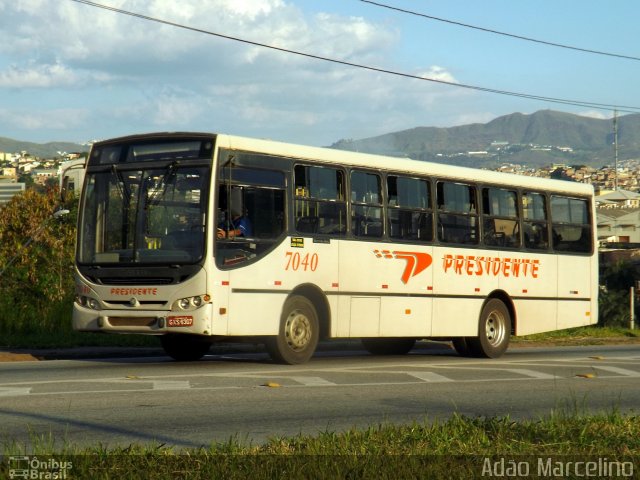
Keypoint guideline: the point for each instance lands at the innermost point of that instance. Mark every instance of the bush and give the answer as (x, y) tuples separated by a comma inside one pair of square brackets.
[(36, 254), (617, 278)]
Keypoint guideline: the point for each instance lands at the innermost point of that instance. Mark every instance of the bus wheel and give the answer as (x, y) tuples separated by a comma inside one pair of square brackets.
[(494, 331), (388, 346), (299, 332), (184, 348)]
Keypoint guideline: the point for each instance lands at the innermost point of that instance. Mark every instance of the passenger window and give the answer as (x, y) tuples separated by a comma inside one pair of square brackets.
[(535, 225), (366, 204), (500, 223), (571, 228), (319, 206), (457, 213), (409, 212)]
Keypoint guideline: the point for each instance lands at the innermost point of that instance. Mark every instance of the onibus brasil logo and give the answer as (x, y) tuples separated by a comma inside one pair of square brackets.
[(416, 261), (39, 468)]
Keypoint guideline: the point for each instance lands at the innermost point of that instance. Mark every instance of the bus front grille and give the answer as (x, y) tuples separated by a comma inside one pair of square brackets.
[(132, 321)]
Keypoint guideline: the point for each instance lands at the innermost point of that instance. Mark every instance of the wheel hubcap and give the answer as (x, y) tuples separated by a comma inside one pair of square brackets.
[(495, 328), (297, 331)]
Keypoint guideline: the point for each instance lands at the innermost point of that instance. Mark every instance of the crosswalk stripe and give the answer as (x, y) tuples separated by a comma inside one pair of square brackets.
[(430, 377), (14, 391), (530, 373), (312, 381), (621, 371)]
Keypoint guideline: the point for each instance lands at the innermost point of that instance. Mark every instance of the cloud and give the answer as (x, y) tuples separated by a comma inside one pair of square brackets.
[(436, 72), (42, 76), (599, 114), (57, 119), (135, 75)]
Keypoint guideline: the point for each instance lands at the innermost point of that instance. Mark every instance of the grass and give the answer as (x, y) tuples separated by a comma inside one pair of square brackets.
[(593, 335), (456, 448)]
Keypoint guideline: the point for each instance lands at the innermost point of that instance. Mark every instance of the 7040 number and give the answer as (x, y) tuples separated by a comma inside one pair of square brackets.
[(306, 262)]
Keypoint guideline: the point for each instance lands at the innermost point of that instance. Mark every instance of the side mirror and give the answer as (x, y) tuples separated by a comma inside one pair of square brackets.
[(64, 189)]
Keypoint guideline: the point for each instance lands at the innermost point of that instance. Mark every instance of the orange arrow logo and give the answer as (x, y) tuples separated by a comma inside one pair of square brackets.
[(416, 261)]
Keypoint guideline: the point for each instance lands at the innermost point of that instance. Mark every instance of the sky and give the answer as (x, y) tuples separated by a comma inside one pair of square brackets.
[(74, 72)]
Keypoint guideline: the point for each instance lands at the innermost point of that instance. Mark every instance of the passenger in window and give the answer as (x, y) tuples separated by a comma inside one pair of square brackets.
[(238, 226)]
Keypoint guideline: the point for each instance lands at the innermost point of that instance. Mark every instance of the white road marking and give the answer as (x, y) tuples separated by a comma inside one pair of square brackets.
[(430, 377), (171, 385), (620, 371), (14, 391), (530, 373), (312, 381)]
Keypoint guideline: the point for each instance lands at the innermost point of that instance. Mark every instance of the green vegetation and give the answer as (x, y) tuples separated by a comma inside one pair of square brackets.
[(36, 255), (455, 448), (582, 336)]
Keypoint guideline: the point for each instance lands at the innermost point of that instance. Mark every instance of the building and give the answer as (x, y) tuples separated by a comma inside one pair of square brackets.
[(8, 190)]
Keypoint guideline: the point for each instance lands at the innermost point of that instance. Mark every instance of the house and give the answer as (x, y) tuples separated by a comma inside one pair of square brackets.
[(619, 225), (620, 198)]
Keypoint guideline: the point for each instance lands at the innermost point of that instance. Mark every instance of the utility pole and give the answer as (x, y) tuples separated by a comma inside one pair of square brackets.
[(615, 146)]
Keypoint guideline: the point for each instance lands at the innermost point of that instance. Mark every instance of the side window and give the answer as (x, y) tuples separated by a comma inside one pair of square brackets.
[(250, 211), (571, 228), (457, 213), (500, 223), (535, 225), (319, 205), (409, 209), (366, 204)]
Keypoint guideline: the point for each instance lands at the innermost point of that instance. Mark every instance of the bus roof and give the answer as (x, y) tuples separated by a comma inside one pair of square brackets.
[(400, 164), (375, 162)]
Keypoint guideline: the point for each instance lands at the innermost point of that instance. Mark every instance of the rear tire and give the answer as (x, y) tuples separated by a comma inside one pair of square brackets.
[(494, 330), (388, 346), (184, 348), (298, 334)]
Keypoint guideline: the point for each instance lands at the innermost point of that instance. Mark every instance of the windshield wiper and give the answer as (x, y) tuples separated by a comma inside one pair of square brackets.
[(157, 194), (122, 186)]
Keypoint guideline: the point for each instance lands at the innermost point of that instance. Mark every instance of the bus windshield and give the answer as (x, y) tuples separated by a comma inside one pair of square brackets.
[(144, 216)]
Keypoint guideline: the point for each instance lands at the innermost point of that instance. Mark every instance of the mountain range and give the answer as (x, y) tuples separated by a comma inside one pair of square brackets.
[(41, 150), (537, 139)]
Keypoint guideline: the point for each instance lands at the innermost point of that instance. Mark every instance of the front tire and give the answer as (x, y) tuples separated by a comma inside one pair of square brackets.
[(494, 330), (184, 348), (298, 334)]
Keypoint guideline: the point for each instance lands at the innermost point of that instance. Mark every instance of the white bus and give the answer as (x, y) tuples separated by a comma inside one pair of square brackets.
[(200, 238)]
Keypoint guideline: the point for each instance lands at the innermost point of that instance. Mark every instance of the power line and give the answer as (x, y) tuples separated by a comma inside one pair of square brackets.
[(564, 101), (488, 30)]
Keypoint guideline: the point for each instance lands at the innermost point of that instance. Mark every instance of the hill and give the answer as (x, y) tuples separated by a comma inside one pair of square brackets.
[(42, 150), (538, 139)]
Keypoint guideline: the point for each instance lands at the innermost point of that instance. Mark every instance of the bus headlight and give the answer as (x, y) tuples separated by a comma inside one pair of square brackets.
[(191, 303), (88, 302)]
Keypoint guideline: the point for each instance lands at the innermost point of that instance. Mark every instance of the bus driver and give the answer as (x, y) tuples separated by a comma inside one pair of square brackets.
[(239, 226)]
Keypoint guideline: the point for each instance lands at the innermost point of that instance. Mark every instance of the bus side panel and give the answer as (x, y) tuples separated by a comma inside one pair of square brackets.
[(259, 290), (460, 288), (574, 291), (531, 282), (385, 290)]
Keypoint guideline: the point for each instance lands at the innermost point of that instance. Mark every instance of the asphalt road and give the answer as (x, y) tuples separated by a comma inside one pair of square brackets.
[(152, 400)]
